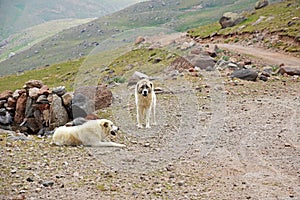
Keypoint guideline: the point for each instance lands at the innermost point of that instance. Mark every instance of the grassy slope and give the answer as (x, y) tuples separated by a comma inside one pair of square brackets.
[(277, 16), (55, 75), (87, 71), (19, 14), (178, 15), (31, 36)]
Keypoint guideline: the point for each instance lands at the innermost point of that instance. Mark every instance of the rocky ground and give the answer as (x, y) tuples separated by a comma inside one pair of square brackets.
[(216, 138)]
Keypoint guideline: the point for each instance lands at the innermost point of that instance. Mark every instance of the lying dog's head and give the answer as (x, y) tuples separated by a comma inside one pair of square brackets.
[(144, 87), (108, 126)]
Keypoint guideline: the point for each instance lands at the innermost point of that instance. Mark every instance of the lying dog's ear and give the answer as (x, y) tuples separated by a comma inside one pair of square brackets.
[(105, 124)]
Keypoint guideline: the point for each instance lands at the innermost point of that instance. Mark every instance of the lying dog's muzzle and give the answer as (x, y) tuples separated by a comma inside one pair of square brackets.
[(114, 131)]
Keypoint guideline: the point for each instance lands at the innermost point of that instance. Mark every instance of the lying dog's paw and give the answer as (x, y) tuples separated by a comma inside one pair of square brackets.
[(139, 126)]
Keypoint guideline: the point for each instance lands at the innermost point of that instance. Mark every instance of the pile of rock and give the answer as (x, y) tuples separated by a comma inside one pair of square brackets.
[(35, 108)]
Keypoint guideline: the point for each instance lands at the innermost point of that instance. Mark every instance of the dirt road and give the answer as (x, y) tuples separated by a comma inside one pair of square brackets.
[(215, 139), (273, 58)]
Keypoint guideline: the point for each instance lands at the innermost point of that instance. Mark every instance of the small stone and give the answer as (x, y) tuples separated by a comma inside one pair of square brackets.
[(29, 179), (139, 40), (76, 174), (181, 183), (48, 183), (67, 98), (147, 144), (59, 91), (113, 188), (263, 78), (42, 99), (33, 92), (287, 145), (171, 176)]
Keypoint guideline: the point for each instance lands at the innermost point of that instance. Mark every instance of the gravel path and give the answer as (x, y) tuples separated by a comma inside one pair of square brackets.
[(214, 140)]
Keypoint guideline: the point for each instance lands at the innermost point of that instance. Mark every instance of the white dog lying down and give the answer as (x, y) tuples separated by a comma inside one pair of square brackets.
[(91, 133)]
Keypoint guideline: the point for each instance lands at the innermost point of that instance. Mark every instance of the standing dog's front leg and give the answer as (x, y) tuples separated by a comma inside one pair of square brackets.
[(148, 116), (139, 118), (153, 107)]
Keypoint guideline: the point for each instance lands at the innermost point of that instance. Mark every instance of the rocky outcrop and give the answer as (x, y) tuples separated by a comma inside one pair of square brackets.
[(230, 19), (261, 3)]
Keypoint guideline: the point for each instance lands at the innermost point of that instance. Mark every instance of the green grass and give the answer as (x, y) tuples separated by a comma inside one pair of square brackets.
[(52, 76), (276, 19), (88, 71), (175, 15)]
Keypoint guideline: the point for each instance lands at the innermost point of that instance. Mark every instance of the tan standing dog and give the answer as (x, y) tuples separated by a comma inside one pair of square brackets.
[(90, 133), (145, 100)]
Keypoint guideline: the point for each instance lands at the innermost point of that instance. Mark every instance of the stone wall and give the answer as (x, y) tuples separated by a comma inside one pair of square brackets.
[(35, 108)]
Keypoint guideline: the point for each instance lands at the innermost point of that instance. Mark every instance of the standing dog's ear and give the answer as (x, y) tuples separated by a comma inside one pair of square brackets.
[(151, 85)]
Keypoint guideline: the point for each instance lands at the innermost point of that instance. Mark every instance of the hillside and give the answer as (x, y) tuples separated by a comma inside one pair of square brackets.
[(79, 41), (16, 15), (275, 26), (30, 36)]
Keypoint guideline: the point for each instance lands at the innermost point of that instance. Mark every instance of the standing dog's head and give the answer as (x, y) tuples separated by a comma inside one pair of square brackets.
[(108, 126), (144, 87)]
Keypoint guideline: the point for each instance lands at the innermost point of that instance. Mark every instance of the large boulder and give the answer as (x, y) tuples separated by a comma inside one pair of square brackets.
[(33, 125), (33, 92), (5, 94), (33, 83), (230, 19), (58, 114), (20, 108), (81, 105), (201, 61), (261, 3), (139, 40), (245, 74), (92, 98), (103, 97), (136, 77), (5, 117), (290, 70)]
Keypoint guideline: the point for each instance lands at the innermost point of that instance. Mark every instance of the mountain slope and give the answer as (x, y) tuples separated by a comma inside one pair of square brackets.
[(178, 15), (274, 26), (28, 37), (16, 15)]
